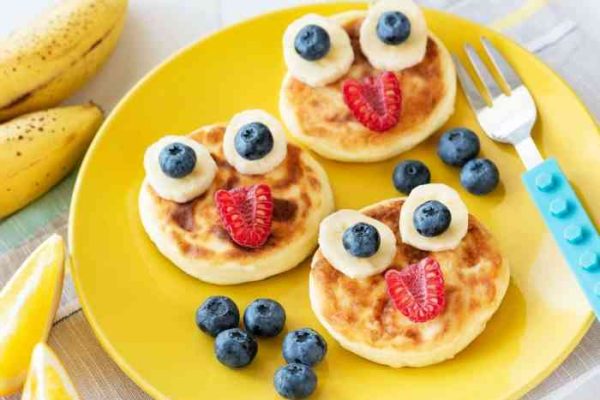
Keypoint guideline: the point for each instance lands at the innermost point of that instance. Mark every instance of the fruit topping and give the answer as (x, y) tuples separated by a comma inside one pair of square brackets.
[(317, 50), (264, 318), (393, 27), (246, 214), (295, 381), (361, 240), (253, 141), (177, 160), (417, 290), (235, 348), (393, 36), (375, 102), (339, 242), (432, 218), (479, 176), (304, 346), (216, 314), (409, 174), (312, 42), (457, 146), (178, 168)]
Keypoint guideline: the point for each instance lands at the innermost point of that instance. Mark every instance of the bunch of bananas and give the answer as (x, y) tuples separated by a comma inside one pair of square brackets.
[(40, 66)]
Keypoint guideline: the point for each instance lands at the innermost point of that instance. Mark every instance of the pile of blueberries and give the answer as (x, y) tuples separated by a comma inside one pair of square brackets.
[(457, 147), (219, 317)]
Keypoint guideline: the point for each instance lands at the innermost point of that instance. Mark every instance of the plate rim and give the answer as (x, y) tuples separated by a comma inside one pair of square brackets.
[(105, 343)]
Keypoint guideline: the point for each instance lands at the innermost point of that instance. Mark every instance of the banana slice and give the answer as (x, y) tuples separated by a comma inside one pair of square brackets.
[(330, 67), (179, 189), (265, 159), (331, 232), (448, 240), (394, 57)]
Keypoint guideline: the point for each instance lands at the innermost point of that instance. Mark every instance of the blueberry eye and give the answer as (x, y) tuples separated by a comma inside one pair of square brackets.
[(312, 43), (393, 27), (432, 218), (253, 141), (177, 160), (361, 240)]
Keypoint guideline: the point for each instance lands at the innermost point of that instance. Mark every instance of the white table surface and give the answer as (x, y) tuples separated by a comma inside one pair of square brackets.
[(157, 28)]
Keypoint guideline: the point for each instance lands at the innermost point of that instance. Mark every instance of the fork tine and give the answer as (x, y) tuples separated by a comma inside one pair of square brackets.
[(471, 92), (483, 72), (502, 66)]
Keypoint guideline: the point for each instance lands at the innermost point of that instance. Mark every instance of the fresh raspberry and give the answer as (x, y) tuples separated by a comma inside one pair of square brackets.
[(376, 101), (246, 213), (418, 290)]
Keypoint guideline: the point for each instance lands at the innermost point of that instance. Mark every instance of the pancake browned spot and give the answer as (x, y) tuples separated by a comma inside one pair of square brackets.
[(183, 216), (284, 210)]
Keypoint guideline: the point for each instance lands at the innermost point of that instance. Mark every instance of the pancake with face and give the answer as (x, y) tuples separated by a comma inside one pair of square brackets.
[(360, 315), (318, 116), (191, 235)]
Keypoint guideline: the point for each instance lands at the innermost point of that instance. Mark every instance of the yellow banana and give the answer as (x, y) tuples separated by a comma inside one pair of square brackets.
[(45, 62), (39, 149)]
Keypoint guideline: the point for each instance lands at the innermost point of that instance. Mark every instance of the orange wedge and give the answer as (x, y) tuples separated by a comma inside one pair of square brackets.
[(48, 379), (28, 303)]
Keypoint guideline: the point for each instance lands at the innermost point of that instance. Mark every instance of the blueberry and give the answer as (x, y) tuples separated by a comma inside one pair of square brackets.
[(264, 317), (295, 381), (217, 314), (457, 146), (479, 176), (361, 240), (253, 141), (393, 27), (312, 42), (177, 160), (235, 348), (432, 218), (304, 346), (409, 174)]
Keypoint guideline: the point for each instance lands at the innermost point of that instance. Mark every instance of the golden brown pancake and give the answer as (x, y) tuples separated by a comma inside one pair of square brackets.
[(191, 235), (318, 116), (360, 315)]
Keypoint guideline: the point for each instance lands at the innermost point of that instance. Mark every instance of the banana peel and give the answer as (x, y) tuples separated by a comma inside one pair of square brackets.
[(48, 60), (39, 149)]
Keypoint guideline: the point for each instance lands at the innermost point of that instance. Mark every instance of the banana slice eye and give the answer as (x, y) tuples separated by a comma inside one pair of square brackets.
[(394, 35), (433, 218), (317, 50), (179, 168), (254, 142), (356, 245)]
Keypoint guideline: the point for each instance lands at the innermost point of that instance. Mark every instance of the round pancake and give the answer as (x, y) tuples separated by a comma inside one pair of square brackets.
[(359, 314), (319, 118), (191, 236)]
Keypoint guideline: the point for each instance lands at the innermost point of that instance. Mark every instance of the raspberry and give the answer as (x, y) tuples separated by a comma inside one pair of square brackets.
[(246, 214), (375, 102), (417, 290)]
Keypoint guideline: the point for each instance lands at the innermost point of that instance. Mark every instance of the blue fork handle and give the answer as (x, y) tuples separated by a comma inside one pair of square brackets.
[(570, 225)]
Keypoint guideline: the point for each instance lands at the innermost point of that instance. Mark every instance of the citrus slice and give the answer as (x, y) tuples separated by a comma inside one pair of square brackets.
[(28, 303), (47, 379)]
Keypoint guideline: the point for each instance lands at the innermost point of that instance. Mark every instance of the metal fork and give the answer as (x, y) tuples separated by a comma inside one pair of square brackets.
[(509, 118)]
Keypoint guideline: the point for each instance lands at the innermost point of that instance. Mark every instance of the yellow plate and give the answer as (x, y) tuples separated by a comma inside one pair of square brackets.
[(142, 307)]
